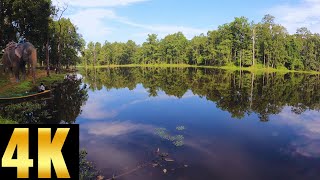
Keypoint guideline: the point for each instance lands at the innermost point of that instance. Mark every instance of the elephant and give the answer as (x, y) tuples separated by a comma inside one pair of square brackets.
[(16, 56)]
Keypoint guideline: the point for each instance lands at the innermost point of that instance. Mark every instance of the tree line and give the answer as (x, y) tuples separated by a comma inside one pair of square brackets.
[(240, 42), (57, 41)]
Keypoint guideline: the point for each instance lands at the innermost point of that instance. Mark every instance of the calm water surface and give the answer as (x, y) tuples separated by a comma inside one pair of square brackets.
[(213, 124), (192, 123)]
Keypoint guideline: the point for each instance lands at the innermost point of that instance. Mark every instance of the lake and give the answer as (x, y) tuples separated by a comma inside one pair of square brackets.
[(191, 123)]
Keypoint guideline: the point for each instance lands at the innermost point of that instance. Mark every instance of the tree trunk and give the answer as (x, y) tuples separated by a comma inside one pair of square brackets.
[(240, 59), (94, 57), (59, 39), (58, 57), (47, 58), (253, 46), (68, 63), (1, 23)]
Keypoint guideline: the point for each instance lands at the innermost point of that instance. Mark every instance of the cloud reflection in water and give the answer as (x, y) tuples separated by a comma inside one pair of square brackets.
[(307, 126), (115, 128)]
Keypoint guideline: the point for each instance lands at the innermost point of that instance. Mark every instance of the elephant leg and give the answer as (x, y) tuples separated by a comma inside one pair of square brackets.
[(23, 69), (16, 73), (29, 71), (11, 69), (33, 65), (17, 76)]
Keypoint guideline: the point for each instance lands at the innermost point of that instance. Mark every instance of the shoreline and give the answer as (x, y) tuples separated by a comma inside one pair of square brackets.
[(230, 68), (10, 88)]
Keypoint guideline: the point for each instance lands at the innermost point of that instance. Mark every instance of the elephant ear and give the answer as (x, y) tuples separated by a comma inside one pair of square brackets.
[(17, 51)]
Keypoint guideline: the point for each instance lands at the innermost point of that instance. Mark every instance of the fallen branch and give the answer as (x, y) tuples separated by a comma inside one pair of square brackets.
[(129, 172)]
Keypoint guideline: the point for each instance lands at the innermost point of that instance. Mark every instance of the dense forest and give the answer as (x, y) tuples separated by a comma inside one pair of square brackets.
[(42, 24), (239, 93), (241, 43)]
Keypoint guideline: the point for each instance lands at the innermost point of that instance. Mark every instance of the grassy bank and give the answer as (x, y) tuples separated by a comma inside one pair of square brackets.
[(10, 88), (6, 121), (256, 69)]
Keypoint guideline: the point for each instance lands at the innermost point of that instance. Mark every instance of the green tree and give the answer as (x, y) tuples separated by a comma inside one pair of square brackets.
[(240, 29)]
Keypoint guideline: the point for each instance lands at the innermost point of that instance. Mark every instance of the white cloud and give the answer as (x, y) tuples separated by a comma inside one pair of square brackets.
[(304, 14), (163, 30), (95, 21), (92, 23)]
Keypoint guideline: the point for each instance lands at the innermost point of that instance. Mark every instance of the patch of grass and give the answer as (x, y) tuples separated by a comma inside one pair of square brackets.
[(10, 89), (54, 78), (3, 82), (23, 86), (6, 121)]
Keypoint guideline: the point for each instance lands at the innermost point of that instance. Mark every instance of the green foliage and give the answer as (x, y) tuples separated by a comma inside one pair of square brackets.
[(6, 121), (26, 87), (36, 21), (65, 43), (25, 112), (30, 18), (87, 171), (61, 105), (238, 43), (3, 81)]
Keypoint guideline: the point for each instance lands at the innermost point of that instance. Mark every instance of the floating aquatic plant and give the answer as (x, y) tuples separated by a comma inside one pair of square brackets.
[(178, 143), (177, 140), (180, 128)]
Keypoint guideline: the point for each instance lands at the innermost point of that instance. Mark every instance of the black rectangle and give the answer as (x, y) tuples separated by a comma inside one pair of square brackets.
[(70, 149)]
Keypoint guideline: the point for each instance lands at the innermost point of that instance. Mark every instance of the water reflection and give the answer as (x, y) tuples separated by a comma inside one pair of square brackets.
[(277, 139), (127, 114), (62, 105), (307, 127), (113, 129), (237, 93)]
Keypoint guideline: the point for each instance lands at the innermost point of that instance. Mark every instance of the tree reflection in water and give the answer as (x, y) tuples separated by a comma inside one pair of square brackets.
[(62, 105), (239, 93)]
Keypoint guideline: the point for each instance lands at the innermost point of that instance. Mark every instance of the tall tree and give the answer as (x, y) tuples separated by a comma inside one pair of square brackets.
[(240, 29)]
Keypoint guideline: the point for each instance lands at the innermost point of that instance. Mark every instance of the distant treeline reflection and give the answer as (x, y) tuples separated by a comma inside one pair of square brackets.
[(239, 93)]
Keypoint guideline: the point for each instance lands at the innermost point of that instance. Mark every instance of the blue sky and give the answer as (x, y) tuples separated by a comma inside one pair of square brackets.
[(121, 20)]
